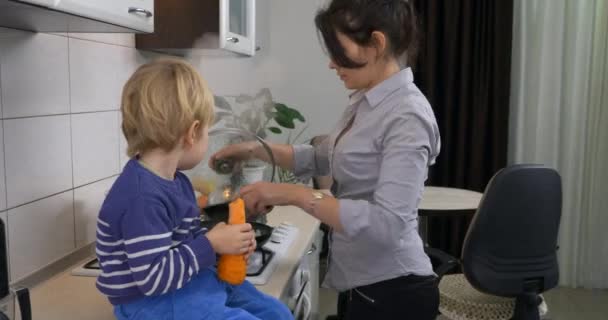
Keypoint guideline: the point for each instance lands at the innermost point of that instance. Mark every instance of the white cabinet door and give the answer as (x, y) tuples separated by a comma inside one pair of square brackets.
[(237, 26), (134, 14)]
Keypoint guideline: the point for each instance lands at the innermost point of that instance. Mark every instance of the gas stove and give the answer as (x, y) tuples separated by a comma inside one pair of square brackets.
[(262, 263)]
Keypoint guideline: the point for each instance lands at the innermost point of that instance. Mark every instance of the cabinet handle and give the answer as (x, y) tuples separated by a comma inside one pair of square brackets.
[(145, 12), (233, 40), (312, 249)]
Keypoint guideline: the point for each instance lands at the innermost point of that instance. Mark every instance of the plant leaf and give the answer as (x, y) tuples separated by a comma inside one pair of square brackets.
[(221, 103), (289, 112), (275, 130), (284, 121), (281, 108), (243, 98), (298, 115)]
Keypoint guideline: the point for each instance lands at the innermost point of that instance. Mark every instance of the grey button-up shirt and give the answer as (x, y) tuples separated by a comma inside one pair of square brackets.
[(379, 167)]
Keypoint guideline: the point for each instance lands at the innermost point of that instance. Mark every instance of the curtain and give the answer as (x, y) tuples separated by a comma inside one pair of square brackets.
[(463, 68), (559, 91)]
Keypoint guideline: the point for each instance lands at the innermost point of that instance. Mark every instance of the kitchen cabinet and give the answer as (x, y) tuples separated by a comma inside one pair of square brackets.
[(78, 16), (183, 26)]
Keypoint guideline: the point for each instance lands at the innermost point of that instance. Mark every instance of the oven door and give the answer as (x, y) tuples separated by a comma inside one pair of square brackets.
[(303, 308)]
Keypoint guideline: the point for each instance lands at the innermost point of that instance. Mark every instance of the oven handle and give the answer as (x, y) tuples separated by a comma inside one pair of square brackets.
[(301, 292), (312, 249)]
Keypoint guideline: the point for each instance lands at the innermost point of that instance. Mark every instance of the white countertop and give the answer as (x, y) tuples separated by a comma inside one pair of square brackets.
[(307, 227), (449, 199), (66, 297)]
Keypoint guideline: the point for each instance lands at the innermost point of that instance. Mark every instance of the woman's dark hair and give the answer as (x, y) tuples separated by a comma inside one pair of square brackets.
[(357, 19)]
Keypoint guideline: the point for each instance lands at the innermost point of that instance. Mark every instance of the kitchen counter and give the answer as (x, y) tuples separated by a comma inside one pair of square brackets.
[(65, 297)]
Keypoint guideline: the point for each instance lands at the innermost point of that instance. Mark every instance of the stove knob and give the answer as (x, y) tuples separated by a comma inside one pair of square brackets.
[(276, 238)]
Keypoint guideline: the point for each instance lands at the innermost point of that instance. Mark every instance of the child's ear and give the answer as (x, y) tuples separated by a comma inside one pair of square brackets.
[(193, 133)]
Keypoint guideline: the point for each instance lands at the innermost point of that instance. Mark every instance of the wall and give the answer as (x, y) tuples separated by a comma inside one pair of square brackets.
[(59, 121), (298, 72), (60, 138)]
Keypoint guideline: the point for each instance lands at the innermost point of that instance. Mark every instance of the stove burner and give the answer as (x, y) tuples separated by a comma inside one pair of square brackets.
[(258, 261)]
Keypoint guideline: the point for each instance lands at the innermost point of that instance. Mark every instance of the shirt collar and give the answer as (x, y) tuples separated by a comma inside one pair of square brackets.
[(378, 93)]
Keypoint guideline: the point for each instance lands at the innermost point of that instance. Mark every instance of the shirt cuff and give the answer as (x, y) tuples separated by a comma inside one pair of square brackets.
[(203, 251), (353, 216), (303, 160)]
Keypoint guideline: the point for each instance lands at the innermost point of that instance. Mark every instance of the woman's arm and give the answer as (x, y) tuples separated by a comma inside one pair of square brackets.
[(405, 159), (283, 154), (303, 160), (259, 196)]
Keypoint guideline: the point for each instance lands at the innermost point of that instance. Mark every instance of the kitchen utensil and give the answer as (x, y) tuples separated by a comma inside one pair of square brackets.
[(222, 183)]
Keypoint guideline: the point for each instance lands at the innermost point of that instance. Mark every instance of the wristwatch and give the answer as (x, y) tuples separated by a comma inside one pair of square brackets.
[(317, 195)]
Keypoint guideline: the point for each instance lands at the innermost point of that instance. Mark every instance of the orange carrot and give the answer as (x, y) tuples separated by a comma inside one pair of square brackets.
[(233, 268)]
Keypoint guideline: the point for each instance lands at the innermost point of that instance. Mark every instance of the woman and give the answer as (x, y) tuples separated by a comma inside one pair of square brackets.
[(378, 156)]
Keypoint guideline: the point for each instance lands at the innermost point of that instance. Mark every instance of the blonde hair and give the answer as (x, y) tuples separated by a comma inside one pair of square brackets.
[(160, 102)]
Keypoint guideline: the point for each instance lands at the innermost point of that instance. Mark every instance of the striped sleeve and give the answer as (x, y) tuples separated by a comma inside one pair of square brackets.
[(157, 266)]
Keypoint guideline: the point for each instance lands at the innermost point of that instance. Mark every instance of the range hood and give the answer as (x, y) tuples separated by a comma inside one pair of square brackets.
[(75, 16)]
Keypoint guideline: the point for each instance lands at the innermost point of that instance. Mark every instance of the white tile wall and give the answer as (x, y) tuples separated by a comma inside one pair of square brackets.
[(34, 74), (95, 146), (60, 138), (38, 158), (120, 39), (40, 233), (2, 176), (87, 202), (97, 73)]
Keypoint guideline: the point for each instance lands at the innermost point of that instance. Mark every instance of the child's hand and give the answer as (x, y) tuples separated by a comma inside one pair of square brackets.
[(231, 239), (254, 244)]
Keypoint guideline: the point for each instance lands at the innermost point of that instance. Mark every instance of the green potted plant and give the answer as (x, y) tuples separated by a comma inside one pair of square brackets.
[(261, 115)]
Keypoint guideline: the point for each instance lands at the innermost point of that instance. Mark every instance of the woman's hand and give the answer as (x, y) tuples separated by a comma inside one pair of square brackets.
[(262, 196), (238, 152)]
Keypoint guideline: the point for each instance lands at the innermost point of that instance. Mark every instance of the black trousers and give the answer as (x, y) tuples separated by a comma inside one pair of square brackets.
[(408, 297)]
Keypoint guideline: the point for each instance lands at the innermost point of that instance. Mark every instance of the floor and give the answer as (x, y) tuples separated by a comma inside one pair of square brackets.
[(564, 304)]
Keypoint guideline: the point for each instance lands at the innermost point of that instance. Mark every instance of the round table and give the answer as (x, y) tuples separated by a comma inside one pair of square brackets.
[(442, 201)]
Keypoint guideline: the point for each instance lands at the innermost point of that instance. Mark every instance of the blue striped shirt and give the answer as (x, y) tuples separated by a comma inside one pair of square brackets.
[(149, 239)]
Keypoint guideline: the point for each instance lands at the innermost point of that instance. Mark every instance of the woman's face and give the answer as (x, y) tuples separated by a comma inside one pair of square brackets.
[(362, 78)]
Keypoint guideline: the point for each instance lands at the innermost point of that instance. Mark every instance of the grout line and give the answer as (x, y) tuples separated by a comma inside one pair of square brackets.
[(59, 114), (5, 195), (1, 95), (71, 140), (95, 41), (39, 199), (58, 193), (96, 181)]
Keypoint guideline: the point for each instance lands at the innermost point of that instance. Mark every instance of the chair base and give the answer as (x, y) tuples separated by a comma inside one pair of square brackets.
[(460, 301), (526, 307)]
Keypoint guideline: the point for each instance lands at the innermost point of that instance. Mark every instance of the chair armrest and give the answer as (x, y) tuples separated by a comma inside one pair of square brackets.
[(442, 262)]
